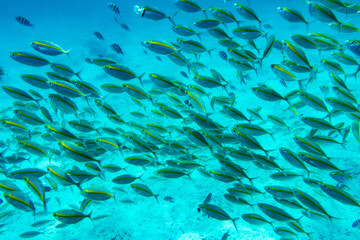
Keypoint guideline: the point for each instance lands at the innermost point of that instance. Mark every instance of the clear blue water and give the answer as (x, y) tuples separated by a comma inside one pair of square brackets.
[(129, 215)]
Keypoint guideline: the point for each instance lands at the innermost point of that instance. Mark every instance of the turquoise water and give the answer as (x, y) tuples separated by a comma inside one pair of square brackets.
[(171, 210)]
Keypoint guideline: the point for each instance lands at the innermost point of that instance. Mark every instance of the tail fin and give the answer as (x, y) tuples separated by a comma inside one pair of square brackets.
[(78, 74), (67, 54), (198, 35), (171, 18), (140, 78)]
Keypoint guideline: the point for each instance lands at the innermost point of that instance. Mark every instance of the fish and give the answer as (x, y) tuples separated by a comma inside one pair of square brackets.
[(223, 55), (171, 173), (310, 202), (276, 213), (29, 59), (216, 212), (292, 15), (121, 72), (34, 148), (356, 224), (255, 219), (64, 70), (144, 190), (353, 46), (159, 46), (124, 26), (189, 6), (152, 13), (207, 23), (186, 31), (114, 8), (49, 48), (99, 36), (344, 27), (248, 32), (37, 187), (339, 194), (96, 193), (30, 234), (322, 13), (117, 49), (223, 15), (26, 172), (69, 216), (296, 54), (76, 152), (247, 12), (20, 201), (24, 21), (184, 74), (219, 33)]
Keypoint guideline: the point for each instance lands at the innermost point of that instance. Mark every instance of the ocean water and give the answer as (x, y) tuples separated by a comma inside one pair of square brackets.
[(174, 213)]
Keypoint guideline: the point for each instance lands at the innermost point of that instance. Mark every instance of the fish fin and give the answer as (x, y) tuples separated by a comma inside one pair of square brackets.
[(234, 222), (208, 198), (204, 11), (140, 79), (199, 35), (171, 18), (156, 198), (78, 74), (67, 54)]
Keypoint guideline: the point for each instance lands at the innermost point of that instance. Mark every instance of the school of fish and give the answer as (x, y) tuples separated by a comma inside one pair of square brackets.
[(267, 163)]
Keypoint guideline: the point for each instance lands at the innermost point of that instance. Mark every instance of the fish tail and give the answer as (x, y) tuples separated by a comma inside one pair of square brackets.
[(251, 180), (310, 235), (256, 72), (225, 88), (140, 79), (171, 18), (78, 74), (272, 224), (204, 11), (90, 217), (188, 174), (102, 175), (199, 35), (234, 222), (209, 52), (252, 206), (37, 102), (320, 51), (67, 54), (139, 177), (261, 62), (332, 217), (79, 185), (45, 203), (156, 198), (355, 73), (272, 137)]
